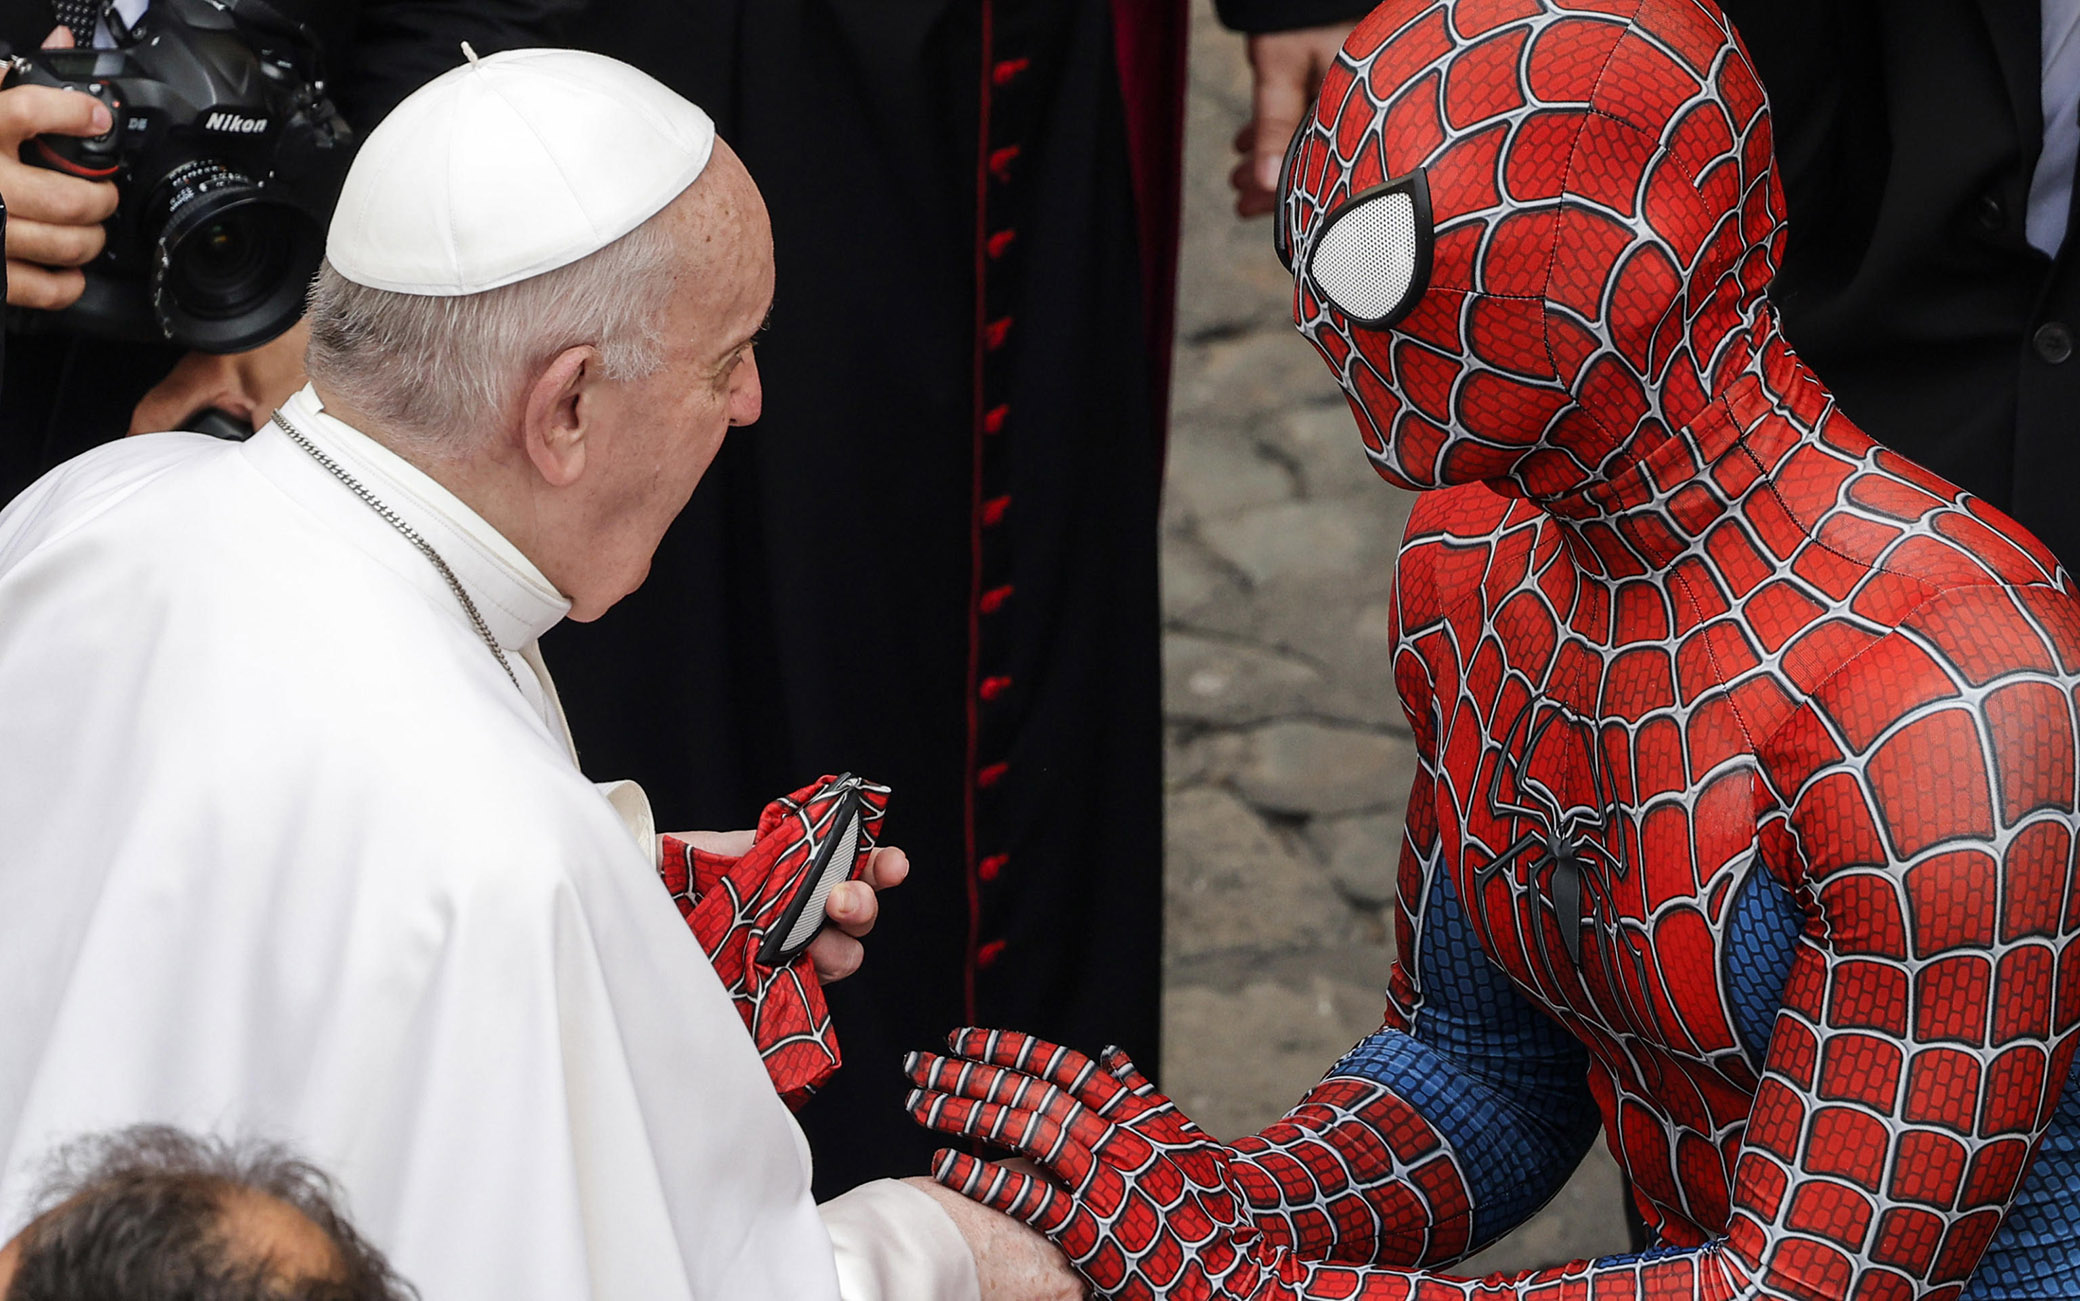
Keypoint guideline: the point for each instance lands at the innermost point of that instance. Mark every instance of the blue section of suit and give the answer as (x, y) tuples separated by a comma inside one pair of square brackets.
[(1505, 1084)]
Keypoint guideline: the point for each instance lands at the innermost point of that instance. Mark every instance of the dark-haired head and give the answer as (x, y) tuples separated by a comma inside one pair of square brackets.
[(154, 1214)]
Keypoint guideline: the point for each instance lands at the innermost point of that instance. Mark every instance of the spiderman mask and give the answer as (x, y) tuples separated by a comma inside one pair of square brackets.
[(740, 909), (1530, 244)]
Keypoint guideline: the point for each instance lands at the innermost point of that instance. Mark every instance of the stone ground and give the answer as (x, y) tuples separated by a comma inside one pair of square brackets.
[(1288, 759)]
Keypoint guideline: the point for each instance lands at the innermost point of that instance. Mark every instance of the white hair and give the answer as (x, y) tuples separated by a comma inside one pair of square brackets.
[(440, 374)]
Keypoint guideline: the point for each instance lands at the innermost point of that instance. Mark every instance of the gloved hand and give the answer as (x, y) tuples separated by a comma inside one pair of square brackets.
[(1147, 1204), (731, 903)]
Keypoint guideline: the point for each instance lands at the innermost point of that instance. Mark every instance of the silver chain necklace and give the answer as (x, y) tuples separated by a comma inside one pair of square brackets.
[(411, 535)]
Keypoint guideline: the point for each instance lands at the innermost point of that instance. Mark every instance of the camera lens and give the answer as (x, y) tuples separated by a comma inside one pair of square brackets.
[(233, 261), (223, 264)]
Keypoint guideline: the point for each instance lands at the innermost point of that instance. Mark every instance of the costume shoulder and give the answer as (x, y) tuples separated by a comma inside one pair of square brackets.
[(1884, 522), (1895, 552), (1933, 602)]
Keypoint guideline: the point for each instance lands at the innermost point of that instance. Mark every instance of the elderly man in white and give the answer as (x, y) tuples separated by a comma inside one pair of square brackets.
[(292, 837)]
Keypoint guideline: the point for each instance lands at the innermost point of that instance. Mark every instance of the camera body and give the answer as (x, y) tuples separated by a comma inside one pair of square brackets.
[(227, 156)]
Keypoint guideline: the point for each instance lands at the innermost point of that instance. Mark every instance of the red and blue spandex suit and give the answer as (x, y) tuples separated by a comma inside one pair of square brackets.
[(1745, 823)]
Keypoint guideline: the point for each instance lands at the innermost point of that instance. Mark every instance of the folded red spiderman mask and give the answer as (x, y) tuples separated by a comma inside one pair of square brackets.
[(735, 905)]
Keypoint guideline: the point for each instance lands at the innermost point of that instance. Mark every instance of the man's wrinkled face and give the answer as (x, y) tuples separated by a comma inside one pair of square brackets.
[(668, 426)]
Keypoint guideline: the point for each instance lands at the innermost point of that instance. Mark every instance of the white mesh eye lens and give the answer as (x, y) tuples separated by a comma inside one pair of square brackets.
[(1372, 260), (836, 868)]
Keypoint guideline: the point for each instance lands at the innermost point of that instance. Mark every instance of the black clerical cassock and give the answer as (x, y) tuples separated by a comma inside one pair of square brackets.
[(933, 560)]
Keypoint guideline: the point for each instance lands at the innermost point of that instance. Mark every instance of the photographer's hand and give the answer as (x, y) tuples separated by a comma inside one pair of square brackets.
[(249, 385), (53, 220)]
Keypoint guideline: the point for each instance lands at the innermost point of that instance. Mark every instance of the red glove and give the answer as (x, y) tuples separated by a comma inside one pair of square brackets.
[(730, 903), (1145, 1203)]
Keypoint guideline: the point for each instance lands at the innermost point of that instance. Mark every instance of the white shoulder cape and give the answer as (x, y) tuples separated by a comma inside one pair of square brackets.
[(282, 851)]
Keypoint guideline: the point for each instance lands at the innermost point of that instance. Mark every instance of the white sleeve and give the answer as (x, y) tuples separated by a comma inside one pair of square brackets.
[(632, 806), (894, 1243)]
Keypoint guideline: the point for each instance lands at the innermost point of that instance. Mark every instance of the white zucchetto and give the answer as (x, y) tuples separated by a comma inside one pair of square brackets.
[(509, 166)]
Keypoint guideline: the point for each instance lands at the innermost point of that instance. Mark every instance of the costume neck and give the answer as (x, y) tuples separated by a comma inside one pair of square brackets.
[(1675, 491)]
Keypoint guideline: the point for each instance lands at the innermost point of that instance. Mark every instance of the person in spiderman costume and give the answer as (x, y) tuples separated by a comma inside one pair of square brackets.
[(1745, 816)]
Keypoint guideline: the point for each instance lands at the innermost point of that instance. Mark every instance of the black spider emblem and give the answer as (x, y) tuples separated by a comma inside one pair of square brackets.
[(1581, 846)]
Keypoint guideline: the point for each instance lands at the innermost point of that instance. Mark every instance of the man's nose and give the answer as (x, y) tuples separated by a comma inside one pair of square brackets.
[(747, 398)]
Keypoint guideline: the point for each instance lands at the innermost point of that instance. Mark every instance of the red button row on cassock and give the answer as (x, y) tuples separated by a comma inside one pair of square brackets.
[(995, 333)]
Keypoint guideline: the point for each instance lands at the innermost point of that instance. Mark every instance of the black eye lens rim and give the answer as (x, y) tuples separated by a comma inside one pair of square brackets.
[(1281, 228), (1416, 185)]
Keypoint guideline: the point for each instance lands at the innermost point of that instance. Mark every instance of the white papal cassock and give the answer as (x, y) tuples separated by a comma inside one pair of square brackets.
[(283, 852)]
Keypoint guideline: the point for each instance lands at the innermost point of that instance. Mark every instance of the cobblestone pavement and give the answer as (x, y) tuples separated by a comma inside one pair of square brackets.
[(1288, 759)]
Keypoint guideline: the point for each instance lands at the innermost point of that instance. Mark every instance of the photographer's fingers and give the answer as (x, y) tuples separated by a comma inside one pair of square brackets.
[(40, 194), (29, 285), (41, 242), (53, 219), (45, 110)]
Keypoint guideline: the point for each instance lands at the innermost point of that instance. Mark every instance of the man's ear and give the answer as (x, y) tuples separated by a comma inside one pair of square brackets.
[(555, 417)]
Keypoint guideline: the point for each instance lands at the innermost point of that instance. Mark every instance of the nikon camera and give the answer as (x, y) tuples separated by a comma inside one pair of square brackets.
[(227, 157)]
